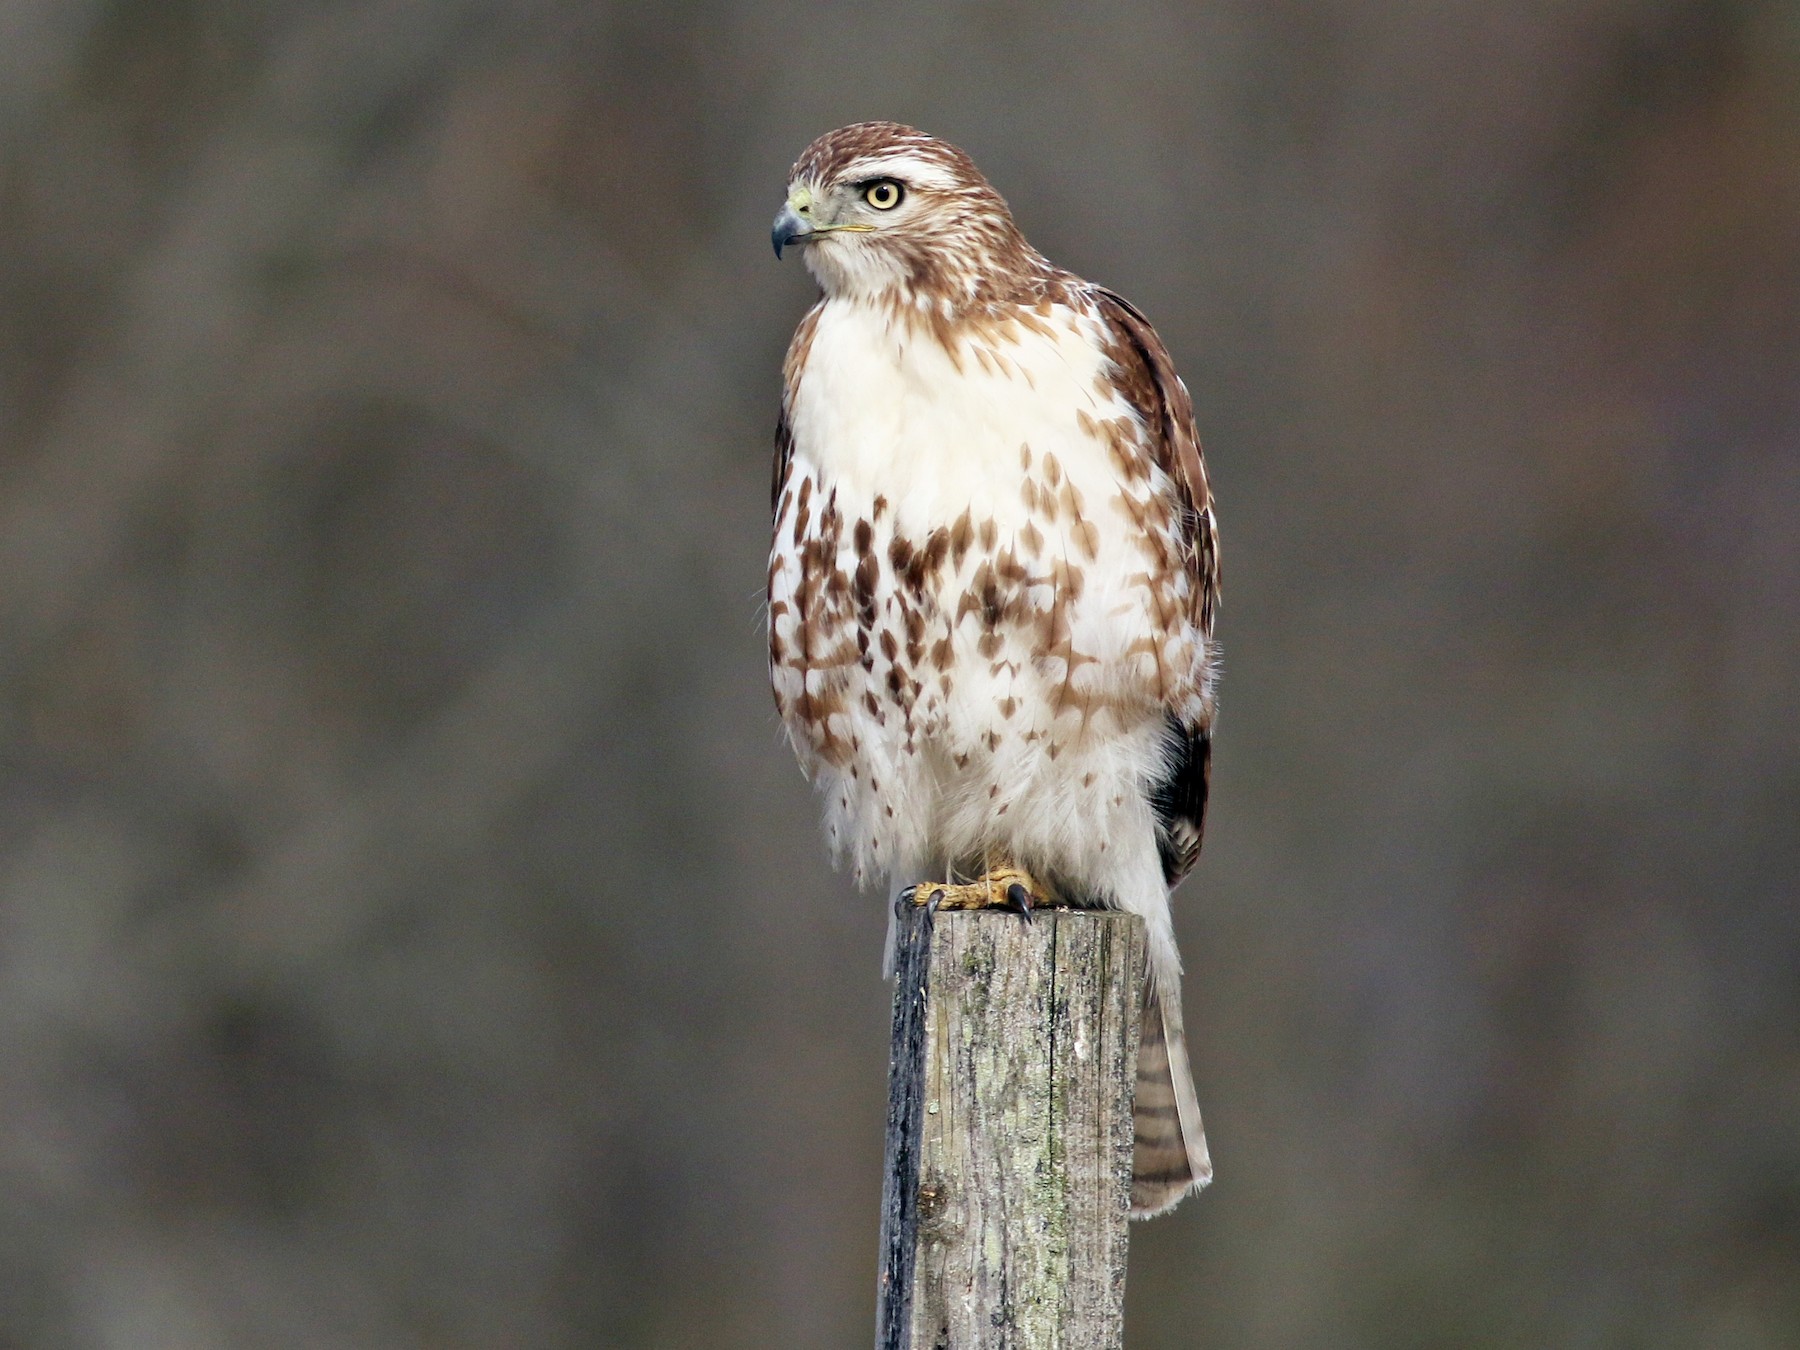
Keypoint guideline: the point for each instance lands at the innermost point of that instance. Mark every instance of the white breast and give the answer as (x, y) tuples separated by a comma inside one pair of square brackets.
[(935, 732), (884, 410)]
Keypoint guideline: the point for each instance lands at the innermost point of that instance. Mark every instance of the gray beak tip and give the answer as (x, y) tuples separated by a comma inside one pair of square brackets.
[(788, 228)]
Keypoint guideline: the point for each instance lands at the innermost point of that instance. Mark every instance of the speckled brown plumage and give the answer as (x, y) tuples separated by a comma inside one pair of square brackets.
[(995, 567)]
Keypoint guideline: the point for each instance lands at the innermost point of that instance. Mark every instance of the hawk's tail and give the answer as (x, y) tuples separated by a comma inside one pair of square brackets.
[(1170, 1158)]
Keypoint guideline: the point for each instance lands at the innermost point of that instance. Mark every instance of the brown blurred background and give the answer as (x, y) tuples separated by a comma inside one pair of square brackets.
[(413, 931)]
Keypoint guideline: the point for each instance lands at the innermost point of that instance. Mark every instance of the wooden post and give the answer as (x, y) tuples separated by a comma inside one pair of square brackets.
[(1003, 1221)]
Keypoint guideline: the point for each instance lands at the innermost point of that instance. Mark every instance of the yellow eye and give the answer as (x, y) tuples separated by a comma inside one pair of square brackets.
[(883, 194)]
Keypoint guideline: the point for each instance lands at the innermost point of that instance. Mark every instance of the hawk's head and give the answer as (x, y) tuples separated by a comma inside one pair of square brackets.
[(888, 212)]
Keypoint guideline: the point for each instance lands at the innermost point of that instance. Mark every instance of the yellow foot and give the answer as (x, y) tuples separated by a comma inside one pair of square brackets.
[(1003, 888)]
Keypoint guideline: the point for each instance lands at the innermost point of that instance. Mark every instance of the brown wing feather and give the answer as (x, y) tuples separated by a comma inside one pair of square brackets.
[(790, 378), (791, 365), (1150, 382), (1164, 403), (784, 458)]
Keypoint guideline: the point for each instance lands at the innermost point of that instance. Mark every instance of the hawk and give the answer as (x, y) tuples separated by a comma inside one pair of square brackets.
[(994, 573)]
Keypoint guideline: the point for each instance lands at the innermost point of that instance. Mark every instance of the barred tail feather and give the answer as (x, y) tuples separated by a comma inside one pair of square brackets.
[(1170, 1159)]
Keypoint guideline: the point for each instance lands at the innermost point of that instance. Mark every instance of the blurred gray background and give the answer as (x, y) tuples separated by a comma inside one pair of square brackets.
[(413, 931)]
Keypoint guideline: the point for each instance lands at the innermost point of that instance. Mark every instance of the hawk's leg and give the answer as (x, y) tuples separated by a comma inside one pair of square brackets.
[(1000, 888)]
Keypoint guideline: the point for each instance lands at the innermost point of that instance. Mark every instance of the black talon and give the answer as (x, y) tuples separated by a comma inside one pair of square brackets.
[(1021, 898), (905, 898), (937, 898)]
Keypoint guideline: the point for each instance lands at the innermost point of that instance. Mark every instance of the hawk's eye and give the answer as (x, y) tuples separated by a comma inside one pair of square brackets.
[(883, 194)]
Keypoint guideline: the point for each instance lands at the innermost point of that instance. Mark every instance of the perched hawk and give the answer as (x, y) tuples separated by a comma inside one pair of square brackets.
[(994, 573)]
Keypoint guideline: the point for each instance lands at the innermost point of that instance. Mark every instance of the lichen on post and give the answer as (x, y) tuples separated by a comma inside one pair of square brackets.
[(1009, 1130)]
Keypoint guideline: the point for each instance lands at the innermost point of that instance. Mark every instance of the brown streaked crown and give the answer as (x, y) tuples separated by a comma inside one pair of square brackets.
[(955, 249), (828, 159)]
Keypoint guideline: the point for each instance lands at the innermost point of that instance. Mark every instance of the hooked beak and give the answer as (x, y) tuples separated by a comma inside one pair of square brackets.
[(790, 228)]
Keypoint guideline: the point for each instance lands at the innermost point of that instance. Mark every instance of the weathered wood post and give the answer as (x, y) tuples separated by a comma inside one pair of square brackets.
[(1003, 1223)]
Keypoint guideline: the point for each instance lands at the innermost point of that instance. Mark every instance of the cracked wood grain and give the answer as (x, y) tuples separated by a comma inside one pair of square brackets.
[(1009, 1139)]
